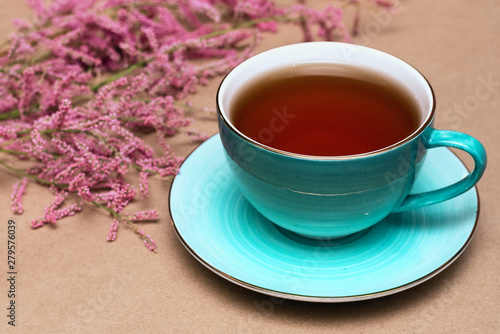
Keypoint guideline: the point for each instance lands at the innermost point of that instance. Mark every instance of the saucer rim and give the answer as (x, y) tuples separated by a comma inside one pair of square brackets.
[(324, 299)]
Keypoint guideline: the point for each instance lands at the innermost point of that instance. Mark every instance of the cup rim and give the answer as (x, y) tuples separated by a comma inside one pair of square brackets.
[(409, 138)]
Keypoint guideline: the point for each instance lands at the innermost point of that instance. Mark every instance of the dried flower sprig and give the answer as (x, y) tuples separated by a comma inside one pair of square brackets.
[(81, 83)]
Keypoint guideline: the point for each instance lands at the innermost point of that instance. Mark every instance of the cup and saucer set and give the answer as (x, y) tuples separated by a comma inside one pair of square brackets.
[(327, 228)]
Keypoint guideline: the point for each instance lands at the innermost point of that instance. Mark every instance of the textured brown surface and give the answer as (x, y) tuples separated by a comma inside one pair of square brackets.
[(70, 280)]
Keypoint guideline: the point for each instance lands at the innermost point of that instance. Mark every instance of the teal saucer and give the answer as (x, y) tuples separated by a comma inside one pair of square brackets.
[(225, 233)]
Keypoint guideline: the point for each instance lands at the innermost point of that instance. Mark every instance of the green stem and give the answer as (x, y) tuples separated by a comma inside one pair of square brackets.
[(244, 25), (118, 216), (118, 75), (22, 173), (24, 132), (111, 211), (50, 131), (41, 58), (4, 150), (9, 115)]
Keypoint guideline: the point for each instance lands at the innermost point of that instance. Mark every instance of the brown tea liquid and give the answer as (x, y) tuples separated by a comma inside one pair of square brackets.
[(314, 110)]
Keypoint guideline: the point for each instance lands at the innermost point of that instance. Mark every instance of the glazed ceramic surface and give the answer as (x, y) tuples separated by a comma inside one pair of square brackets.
[(220, 228), (325, 197)]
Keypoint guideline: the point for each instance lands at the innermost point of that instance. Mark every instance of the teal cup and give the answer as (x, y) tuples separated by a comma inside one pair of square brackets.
[(335, 196)]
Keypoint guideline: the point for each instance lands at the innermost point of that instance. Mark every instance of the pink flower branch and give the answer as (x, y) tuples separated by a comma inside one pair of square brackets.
[(84, 82)]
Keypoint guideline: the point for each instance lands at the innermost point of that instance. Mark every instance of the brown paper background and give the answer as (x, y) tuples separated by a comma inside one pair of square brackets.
[(70, 280)]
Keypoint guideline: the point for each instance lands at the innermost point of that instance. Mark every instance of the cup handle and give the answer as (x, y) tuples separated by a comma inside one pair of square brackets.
[(445, 138)]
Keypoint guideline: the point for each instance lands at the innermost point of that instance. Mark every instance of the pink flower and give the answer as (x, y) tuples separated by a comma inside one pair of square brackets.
[(18, 190), (113, 229), (82, 84), (53, 213)]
